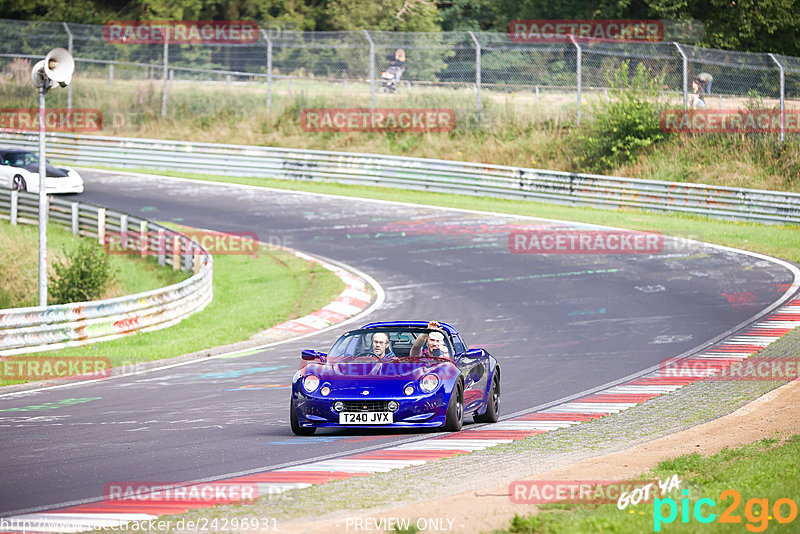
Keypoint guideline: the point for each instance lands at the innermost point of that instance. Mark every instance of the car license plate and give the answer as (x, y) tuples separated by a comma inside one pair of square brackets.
[(365, 418)]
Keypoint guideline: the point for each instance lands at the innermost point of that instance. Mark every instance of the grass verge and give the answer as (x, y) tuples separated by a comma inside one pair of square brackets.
[(774, 240), (760, 475), (19, 262), (250, 295)]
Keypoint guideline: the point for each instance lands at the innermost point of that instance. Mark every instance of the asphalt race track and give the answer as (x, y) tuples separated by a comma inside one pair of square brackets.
[(560, 324)]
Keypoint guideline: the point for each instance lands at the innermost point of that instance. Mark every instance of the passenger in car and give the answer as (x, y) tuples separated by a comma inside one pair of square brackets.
[(430, 344)]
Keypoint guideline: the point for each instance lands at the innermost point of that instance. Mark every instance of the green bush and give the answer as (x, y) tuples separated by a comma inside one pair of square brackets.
[(624, 125), (83, 276)]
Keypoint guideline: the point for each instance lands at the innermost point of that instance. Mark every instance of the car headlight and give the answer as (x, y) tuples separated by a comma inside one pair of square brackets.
[(310, 383), (429, 383), (408, 390), (325, 391)]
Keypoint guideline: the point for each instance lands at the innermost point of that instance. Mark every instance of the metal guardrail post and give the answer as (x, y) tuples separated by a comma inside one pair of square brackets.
[(685, 75), (123, 231), (69, 49), (269, 70), (164, 76), (371, 71), (74, 210), (101, 226), (144, 239), (578, 73), (783, 96), (162, 247), (477, 75), (12, 216)]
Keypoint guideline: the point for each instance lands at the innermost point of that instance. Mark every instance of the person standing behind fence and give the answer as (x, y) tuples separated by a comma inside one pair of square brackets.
[(705, 80), (696, 98)]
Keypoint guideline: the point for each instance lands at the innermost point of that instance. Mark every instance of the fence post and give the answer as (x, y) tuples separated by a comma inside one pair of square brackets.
[(685, 75), (101, 225), (371, 71), (164, 76), (578, 74), (144, 239), (75, 207), (12, 217), (176, 252), (123, 231), (477, 75), (69, 49), (110, 74), (162, 247), (783, 96), (269, 69)]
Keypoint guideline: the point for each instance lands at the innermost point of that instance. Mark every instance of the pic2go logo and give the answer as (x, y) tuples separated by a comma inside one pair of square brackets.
[(756, 511)]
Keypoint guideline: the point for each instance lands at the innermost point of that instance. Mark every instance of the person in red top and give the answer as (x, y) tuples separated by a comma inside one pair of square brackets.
[(430, 345)]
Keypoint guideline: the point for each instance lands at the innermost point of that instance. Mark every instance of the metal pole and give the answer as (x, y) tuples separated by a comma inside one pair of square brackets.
[(685, 76), (477, 74), (269, 70), (42, 202), (69, 49), (371, 71), (579, 59), (783, 96), (164, 75)]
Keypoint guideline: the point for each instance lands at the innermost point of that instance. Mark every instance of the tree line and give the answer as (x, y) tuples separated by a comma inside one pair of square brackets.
[(747, 25)]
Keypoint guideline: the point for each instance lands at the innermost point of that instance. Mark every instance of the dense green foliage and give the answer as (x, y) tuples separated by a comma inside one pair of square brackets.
[(625, 124), (83, 276), (749, 25)]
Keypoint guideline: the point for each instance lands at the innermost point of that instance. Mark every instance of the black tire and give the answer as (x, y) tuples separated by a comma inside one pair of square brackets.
[(493, 410), (18, 183), (455, 410), (296, 428)]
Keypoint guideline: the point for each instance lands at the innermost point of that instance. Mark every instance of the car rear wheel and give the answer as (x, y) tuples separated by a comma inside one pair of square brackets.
[(493, 409), (296, 428), (18, 183), (455, 410)]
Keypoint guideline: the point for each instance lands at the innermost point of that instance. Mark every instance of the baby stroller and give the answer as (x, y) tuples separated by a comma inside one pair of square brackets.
[(391, 78)]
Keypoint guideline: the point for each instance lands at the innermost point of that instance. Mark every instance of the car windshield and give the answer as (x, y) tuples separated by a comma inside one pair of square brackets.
[(20, 159), (387, 343)]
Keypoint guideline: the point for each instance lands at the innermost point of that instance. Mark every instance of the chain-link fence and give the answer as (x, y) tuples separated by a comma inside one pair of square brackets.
[(482, 77)]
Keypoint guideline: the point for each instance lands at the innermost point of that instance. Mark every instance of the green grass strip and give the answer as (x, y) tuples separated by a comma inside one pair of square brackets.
[(760, 473)]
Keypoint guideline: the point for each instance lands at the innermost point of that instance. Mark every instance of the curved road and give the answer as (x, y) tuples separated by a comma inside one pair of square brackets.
[(559, 324)]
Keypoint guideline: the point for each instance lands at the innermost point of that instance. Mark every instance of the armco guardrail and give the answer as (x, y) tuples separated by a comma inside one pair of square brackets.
[(43, 328), (418, 173)]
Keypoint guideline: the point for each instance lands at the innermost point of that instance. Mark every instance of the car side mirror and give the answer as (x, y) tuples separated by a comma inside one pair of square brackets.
[(309, 354)]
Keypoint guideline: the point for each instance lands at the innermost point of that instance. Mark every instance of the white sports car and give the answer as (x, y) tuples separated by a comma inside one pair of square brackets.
[(19, 169)]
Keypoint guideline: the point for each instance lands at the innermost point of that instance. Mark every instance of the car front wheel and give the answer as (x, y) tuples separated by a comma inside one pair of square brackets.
[(296, 428), (455, 410), (18, 183)]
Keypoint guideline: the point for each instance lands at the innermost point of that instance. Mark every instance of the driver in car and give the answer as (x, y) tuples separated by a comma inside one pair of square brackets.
[(380, 344)]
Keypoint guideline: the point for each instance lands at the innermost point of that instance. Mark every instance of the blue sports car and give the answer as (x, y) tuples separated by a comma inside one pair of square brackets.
[(403, 374)]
